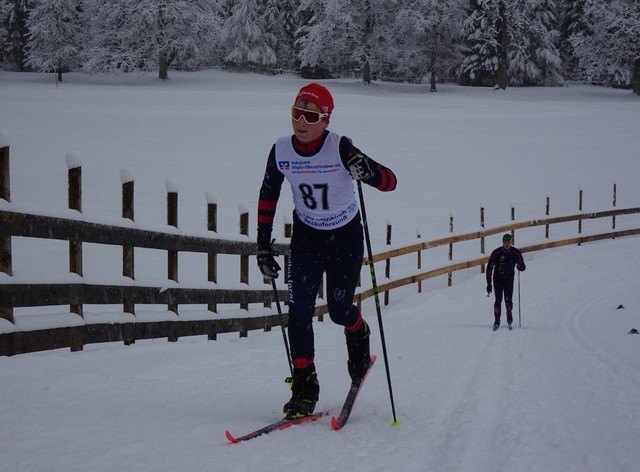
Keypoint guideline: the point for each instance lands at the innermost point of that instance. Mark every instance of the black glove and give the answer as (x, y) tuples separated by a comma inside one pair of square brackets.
[(359, 167), (267, 263), (489, 288)]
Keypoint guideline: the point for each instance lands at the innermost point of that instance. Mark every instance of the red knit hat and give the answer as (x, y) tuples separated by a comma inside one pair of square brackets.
[(318, 95)]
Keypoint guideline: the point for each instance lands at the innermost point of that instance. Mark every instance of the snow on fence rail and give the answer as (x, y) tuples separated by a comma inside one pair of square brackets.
[(15, 339)]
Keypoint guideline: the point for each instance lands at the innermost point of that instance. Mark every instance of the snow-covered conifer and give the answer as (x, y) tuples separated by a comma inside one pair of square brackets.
[(149, 34), (424, 39), (534, 55), (13, 33), (55, 36), (511, 42), (281, 20), (245, 38), (609, 49), (343, 37), (480, 63)]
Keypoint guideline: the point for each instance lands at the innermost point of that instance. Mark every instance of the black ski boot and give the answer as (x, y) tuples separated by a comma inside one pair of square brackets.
[(304, 392), (358, 350)]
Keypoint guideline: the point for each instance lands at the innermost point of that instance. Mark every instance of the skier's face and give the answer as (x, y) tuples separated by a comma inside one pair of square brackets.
[(304, 131)]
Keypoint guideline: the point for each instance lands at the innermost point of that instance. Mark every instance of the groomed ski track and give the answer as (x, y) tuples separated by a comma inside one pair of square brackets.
[(557, 395)]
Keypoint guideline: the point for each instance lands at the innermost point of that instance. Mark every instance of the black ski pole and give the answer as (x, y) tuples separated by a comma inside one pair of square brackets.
[(519, 315), (377, 299), (282, 327)]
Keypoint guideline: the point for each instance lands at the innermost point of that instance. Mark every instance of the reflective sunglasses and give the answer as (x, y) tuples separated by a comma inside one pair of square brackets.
[(310, 117)]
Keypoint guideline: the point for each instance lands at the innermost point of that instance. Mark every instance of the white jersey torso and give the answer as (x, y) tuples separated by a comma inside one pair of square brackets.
[(322, 187)]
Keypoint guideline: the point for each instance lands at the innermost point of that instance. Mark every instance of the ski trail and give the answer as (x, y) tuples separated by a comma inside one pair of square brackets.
[(469, 417), (602, 363), (489, 403), (582, 376)]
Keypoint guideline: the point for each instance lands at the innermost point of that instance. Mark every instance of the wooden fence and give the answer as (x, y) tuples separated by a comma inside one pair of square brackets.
[(480, 235), (76, 295)]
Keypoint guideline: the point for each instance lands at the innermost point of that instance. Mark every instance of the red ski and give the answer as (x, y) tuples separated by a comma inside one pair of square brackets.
[(352, 396), (278, 425), (336, 423)]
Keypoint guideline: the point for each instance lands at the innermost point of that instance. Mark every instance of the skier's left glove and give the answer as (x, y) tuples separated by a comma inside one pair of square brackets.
[(267, 263), (359, 167), (489, 288)]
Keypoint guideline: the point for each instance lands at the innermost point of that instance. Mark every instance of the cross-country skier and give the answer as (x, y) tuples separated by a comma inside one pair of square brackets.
[(320, 166), (502, 262)]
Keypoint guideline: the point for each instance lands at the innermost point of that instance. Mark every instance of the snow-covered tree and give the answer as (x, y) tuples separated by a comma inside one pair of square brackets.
[(424, 40), (13, 35), (511, 42), (149, 34), (325, 41), (609, 50), (281, 20), (5, 9), (245, 38), (311, 42), (54, 36), (571, 24), (290, 24), (344, 37), (534, 54), (481, 53)]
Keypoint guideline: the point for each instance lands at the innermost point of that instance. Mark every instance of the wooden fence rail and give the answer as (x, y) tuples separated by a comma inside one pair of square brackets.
[(502, 229), (417, 278), (24, 295), (47, 227), (76, 295)]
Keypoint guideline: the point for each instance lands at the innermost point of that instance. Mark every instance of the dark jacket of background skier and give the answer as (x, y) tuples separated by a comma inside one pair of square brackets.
[(502, 263)]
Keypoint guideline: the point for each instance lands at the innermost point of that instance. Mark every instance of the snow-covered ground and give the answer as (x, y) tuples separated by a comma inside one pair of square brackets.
[(557, 394)]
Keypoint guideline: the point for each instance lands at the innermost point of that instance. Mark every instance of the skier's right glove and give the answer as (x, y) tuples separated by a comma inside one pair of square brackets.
[(489, 288), (359, 167), (268, 264)]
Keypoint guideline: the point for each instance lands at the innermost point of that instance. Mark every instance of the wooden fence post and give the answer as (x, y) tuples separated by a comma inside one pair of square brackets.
[(580, 210), (212, 257), (615, 196), (172, 255), (6, 264), (128, 264), (546, 227), (387, 268), (450, 275), (419, 266), (75, 203), (482, 248), (5, 177), (244, 260)]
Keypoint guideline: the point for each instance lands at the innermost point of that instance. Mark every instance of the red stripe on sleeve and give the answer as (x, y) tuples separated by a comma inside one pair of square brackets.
[(266, 211), (387, 180), (267, 205)]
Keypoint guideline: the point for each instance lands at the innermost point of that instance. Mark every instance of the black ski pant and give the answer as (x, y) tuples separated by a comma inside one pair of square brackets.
[(340, 257), (503, 286)]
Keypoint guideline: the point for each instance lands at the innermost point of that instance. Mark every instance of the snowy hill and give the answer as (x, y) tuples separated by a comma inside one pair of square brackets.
[(558, 394)]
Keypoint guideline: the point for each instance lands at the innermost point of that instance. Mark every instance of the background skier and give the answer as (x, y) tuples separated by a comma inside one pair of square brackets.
[(502, 262)]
